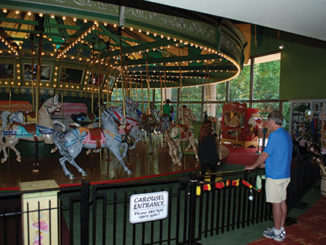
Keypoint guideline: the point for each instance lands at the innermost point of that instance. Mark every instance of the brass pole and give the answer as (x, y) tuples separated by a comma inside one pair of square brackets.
[(142, 93), (148, 88), (10, 99), (135, 91), (165, 85), (161, 93), (99, 90), (180, 75), (32, 68), (99, 103), (92, 97), (62, 106), (93, 78), (39, 70), (122, 85), (181, 110)]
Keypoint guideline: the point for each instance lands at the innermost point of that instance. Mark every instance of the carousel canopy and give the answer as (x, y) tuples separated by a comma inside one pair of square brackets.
[(81, 43)]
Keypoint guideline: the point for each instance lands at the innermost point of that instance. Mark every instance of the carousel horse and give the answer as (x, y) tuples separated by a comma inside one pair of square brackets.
[(175, 136), (128, 126), (15, 129), (71, 142), (179, 133)]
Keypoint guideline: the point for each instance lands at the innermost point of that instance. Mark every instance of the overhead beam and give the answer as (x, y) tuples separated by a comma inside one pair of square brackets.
[(201, 68), (141, 47), (172, 59), (31, 22)]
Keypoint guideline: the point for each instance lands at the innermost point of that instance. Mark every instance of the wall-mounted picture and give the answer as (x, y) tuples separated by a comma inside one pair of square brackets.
[(70, 75), (111, 82), (6, 71), (45, 72), (96, 79)]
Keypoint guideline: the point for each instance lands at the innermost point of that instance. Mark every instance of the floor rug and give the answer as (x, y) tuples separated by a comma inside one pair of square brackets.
[(241, 156), (309, 230)]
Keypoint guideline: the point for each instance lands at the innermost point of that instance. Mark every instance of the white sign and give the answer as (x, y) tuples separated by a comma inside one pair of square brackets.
[(148, 207)]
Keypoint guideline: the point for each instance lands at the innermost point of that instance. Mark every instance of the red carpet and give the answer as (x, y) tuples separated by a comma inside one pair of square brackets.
[(310, 229), (241, 156)]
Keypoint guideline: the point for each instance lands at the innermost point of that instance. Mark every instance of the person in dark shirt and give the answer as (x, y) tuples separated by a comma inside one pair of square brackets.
[(207, 149)]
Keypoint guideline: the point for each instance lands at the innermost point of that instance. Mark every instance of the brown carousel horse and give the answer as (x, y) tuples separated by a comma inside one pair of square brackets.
[(17, 130)]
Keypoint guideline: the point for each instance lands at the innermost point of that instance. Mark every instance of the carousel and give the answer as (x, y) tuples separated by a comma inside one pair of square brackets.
[(78, 81)]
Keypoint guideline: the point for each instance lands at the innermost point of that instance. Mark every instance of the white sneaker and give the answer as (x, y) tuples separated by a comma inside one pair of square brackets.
[(269, 233)]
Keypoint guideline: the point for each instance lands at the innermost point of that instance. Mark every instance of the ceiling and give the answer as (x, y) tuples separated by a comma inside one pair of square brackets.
[(306, 18)]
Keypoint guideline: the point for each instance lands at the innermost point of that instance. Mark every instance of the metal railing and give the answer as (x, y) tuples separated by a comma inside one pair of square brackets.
[(99, 214)]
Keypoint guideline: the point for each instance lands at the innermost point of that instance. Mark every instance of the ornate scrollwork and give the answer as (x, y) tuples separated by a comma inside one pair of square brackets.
[(181, 25)]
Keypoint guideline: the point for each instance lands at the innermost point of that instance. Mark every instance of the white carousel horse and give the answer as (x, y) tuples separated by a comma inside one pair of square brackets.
[(186, 119), (71, 142), (174, 136), (16, 130)]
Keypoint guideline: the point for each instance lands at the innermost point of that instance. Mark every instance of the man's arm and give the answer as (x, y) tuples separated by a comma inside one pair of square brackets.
[(259, 162)]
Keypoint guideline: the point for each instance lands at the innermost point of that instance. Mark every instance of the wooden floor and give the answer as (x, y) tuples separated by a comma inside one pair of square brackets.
[(144, 161)]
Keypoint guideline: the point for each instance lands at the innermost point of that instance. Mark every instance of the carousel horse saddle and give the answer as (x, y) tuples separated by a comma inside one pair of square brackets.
[(95, 136), (95, 133), (28, 130), (185, 132)]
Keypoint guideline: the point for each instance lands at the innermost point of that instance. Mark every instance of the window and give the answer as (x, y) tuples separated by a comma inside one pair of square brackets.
[(240, 87), (266, 107), (286, 114), (191, 94), (267, 77), (221, 91)]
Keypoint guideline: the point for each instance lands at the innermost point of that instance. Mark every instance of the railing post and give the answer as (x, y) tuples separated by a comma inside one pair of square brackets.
[(192, 211), (84, 213)]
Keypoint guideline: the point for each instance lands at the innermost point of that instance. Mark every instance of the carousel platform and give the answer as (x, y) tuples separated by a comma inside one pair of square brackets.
[(145, 162)]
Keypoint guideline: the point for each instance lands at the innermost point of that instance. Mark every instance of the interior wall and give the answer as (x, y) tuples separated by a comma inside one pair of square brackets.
[(302, 64)]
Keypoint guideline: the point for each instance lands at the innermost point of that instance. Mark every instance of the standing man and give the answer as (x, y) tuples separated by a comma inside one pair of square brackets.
[(278, 157)]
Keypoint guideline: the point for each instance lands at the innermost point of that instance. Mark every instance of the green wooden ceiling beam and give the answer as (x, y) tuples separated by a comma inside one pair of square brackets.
[(104, 31), (172, 59), (34, 23), (203, 68), (19, 21), (141, 47)]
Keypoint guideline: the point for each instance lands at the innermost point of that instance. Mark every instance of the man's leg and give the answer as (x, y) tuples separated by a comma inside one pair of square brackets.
[(284, 210), (277, 215)]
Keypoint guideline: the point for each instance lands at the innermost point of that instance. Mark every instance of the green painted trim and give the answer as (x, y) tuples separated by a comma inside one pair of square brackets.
[(172, 59), (151, 45)]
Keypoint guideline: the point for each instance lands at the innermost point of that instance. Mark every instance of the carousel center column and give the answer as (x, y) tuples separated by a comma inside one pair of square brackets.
[(210, 95)]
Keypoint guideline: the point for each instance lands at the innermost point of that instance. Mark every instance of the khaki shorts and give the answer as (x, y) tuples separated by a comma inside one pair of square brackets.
[(276, 190)]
